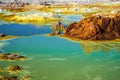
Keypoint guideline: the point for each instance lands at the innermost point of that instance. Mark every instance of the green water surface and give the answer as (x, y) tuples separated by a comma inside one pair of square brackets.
[(54, 58)]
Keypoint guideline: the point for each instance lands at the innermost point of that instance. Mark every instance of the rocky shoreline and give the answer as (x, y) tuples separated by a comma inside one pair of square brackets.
[(96, 27), (12, 69), (6, 37)]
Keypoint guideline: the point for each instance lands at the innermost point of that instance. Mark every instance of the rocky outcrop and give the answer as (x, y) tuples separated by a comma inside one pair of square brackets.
[(15, 68), (9, 78), (2, 35), (10, 56), (57, 28), (97, 27)]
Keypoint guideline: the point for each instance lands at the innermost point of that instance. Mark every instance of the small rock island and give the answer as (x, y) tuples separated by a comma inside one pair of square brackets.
[(96, 27), (12, 57), (57, 28)]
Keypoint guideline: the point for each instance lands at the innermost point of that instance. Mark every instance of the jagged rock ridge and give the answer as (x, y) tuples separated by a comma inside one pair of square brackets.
[(97, 27)]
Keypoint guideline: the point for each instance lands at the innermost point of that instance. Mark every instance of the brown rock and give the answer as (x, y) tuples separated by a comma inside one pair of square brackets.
[(2, 35), (11, 78), (97, 27), (16, 67)]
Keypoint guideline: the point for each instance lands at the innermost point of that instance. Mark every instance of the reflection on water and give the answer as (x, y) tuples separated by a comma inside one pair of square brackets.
[(105, 46), (54, 58)]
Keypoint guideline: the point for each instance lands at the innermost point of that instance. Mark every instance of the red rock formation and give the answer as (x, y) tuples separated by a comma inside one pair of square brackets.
[(97, 27)]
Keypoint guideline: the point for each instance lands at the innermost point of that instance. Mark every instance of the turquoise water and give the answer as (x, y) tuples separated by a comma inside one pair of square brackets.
[(72, 18), (54, 58), (24, 29)]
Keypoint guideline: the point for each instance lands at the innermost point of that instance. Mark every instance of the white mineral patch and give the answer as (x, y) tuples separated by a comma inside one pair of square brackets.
[(98, 78), (44, 77), (117, 67), (57, 59)]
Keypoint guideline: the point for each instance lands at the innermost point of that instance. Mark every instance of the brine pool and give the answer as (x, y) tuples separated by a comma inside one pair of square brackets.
[(56, 58)]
